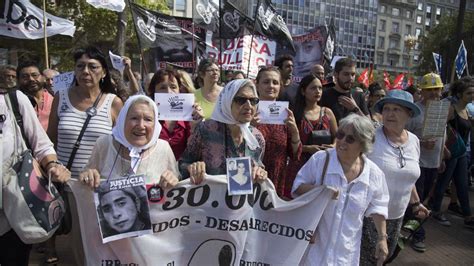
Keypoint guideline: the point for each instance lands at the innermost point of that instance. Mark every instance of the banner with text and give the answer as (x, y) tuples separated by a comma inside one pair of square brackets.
[(203, 225), (242, 52)]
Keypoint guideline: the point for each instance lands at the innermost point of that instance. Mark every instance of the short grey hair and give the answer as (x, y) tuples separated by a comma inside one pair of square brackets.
[(364, 130)]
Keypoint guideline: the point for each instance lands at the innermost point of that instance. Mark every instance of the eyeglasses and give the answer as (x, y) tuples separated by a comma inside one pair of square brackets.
[(401, 159), (243, 100), (349, 138), (216, 70), (91, 67)]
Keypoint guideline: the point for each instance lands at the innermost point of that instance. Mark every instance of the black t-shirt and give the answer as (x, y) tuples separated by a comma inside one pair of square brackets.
[(329, 99)]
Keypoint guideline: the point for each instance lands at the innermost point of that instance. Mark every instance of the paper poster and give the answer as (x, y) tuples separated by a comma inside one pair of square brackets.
[(122, 208), (436, 116), (273, 112), (239, 176), (117, 61), (63, 81), (175, 107)]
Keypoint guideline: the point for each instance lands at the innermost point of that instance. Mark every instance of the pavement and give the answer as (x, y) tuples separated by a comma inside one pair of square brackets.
[(452, 245)]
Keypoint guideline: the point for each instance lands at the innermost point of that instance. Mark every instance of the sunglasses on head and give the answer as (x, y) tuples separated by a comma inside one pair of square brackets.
[(243, 100), (349, 138)]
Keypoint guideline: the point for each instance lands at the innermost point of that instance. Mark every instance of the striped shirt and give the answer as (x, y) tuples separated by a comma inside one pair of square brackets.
[(70, 124)]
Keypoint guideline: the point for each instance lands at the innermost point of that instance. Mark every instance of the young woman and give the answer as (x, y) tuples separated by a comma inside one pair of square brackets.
[(281, 141), (209, 75)]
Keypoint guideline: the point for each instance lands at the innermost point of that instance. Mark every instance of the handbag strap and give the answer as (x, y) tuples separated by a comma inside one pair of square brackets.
[(325, 168), (16, 112), (77, 144), (320, 120)]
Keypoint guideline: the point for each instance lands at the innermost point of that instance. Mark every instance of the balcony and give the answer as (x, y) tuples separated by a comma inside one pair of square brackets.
[(394, 51)]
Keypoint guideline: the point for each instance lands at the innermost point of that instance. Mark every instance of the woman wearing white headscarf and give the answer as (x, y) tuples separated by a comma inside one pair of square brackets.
[(133, 148), (227, 134)]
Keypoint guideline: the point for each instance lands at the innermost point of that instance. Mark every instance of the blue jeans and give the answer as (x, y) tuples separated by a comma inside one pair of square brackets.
[(456, 168)]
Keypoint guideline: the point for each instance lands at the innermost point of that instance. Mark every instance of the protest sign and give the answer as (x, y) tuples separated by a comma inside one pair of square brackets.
[(273, 112), (435, 120), (203, 225), (175, 107), (122, 208), (63, 81)]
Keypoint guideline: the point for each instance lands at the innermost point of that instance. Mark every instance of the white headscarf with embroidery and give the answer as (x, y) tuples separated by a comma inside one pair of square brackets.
[(119, 130), (223, 109)]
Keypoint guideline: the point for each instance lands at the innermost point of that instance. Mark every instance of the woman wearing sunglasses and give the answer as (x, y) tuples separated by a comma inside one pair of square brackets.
[(281, 141), (227, 134), (362, 191), (397, 153)]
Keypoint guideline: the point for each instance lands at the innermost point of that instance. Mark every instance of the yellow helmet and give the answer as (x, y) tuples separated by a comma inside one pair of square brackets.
[(431, 81)]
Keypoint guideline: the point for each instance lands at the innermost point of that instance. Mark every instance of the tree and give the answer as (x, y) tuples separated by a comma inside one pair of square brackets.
[(93, 27), (440, 39)]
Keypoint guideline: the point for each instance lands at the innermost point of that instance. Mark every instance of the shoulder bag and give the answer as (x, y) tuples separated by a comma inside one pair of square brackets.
[(32, 205)]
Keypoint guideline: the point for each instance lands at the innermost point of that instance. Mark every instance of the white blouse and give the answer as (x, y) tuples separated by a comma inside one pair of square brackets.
[(339, 232)]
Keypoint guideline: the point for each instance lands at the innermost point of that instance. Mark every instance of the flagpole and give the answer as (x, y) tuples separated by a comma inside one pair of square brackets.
[(45, 37), (192, 42), (219, 54), (251, 39), (145, 68)]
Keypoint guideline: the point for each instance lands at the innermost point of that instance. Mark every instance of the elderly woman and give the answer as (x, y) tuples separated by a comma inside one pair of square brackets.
[(208, 77), (13, 250), (133, 148), (362, 191), (227, 134), (175, 132), (397, 153), (92, 93), (281, 141)]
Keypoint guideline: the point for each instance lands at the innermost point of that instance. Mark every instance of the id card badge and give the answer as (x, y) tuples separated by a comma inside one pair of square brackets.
[(239, 176)]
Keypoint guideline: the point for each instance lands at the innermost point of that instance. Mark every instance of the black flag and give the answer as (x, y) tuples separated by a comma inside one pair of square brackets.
[(157, 30), (330, 41), (269, 23), (206, 14), (233, 22)]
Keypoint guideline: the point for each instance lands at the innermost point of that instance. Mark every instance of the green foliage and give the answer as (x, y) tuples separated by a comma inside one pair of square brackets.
[(93, 27), (440, 40)]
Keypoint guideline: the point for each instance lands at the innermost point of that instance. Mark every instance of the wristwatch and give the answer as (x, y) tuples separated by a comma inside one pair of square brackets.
[(355, 110)]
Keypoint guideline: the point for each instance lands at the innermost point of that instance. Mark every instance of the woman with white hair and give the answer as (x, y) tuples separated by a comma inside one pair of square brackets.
[(362, 191), (227, 134)]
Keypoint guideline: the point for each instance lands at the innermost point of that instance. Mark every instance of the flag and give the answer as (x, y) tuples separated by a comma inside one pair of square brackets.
[(438, 62), (270, 24), (330, 41), (114, 5), (386, 79), (242, 6), (23, 20), (364, 78), (398, 82), (461, 60), (410, 82), (206, 14), (371, 74), (157, 30), (233, 22)]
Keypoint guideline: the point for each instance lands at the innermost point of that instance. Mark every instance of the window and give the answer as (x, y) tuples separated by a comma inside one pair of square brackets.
[(405, 61), (409, 14), (180, 5), (416, 58), (382, 8), (394, 44), (420, 6), (393, 60), (427, 22), (381, 42), (418, 19), (417, 32), (428, 9), (380, 58), (395, 11), (395, 27), (407, 29), (382, 25), (438, 11)]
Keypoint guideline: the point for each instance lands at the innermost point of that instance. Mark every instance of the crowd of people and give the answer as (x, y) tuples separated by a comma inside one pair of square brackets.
[(367, 144)]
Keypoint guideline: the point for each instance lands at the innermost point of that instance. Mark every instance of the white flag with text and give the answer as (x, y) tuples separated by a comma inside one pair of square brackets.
[(114, 5)]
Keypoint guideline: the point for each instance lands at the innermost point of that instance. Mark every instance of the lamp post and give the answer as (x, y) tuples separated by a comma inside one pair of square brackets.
[(410, 42)]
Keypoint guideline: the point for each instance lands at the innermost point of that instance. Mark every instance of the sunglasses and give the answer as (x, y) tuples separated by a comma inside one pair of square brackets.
[(243, 100), (349, 138), (401, 158)]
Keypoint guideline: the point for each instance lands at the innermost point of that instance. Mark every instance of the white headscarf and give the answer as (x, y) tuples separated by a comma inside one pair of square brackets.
[(223, 110), (119, 130)]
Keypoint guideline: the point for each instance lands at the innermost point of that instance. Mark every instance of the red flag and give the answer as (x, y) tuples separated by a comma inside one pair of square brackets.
[(364, 78), (410, 82), (371, 74), (388, 86), (398, 82)]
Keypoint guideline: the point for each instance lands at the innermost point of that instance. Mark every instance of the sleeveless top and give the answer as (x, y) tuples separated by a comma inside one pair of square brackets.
[(207, 106), (70, 124), (461, 125)]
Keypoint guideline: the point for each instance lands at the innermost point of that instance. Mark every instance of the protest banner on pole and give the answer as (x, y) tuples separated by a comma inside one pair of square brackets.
[(204, 225)]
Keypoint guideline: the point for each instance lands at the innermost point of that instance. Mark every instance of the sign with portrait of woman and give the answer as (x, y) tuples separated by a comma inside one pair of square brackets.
[(122, 208)]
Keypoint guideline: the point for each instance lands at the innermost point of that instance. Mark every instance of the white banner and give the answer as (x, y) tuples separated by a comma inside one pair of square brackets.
[(114, 5), (21, 19), (203, 225), (237, 53)]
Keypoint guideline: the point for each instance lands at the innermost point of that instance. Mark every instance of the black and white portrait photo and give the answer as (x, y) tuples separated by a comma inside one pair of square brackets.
[(239, 176)]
